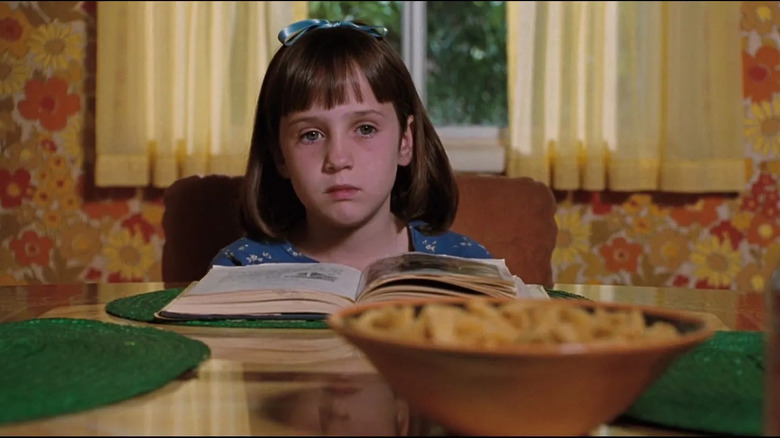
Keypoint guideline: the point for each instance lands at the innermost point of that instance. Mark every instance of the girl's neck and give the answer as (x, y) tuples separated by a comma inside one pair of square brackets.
[(355, 247)]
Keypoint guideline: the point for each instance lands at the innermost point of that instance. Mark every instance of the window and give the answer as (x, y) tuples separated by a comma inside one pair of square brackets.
[(456, 54)]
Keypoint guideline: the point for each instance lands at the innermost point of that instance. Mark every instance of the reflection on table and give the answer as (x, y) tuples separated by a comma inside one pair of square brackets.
[(294, 381)]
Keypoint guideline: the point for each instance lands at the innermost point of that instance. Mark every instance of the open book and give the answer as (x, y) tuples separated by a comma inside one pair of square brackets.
[(315, 290)]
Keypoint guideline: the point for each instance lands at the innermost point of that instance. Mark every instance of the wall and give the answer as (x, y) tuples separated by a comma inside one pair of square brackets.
[(55, 226)]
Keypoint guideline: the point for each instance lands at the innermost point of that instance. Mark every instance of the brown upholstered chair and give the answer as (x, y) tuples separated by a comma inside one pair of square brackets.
[(512, 217)]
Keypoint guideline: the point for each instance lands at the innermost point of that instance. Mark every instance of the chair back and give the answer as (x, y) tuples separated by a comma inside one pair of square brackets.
[(513, 217)]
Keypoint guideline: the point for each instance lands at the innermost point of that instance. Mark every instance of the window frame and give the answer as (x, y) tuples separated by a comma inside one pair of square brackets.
[(471, 148)]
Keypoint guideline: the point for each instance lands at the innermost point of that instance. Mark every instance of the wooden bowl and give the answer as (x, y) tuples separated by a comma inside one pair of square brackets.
[(565, 389)]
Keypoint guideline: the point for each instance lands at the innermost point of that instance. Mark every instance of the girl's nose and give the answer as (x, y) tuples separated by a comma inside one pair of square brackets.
[(338, 155)]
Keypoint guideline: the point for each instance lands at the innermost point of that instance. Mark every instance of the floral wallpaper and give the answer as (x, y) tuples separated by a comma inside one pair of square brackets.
[(55, 226)]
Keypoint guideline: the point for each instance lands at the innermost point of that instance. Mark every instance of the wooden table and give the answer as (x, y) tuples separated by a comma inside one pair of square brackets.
[(253, 384)]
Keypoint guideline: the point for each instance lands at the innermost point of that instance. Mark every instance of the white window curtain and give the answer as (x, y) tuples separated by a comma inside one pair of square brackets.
[(626, 96), (177, 85)]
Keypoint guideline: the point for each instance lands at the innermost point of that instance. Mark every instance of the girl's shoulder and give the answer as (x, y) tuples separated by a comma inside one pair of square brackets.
[(448, 243), (245, 251)]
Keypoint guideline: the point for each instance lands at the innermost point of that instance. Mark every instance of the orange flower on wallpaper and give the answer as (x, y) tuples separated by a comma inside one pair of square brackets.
[(703, 212), (31, 249), (763, 231), (621, 255), (760, 16), (14, 31), (14, 187), (49, 102), (761, 73)]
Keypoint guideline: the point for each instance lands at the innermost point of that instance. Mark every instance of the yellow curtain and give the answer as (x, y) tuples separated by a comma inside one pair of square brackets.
[(177, 84), (626, 95)]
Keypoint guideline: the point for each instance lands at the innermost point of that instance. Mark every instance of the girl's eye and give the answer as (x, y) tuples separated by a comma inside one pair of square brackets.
[(366, 130), (310, 136)]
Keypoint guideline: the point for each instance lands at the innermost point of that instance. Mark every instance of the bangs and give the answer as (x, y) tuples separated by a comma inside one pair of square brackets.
[(329, 87), (326, 72)]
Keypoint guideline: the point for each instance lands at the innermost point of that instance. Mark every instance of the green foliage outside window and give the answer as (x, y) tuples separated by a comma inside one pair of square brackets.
[(387, 14), (466, 51), (467, 63)]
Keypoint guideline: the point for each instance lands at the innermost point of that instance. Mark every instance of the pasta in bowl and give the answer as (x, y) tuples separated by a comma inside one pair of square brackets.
[(497, 366)]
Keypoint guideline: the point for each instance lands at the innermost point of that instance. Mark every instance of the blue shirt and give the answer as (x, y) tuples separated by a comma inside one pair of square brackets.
[(245, 251)]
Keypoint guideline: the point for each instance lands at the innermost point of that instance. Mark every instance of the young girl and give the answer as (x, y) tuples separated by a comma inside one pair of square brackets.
[(345, 165)]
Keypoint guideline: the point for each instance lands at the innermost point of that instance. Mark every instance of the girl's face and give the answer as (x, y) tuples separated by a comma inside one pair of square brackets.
[(342, 162)]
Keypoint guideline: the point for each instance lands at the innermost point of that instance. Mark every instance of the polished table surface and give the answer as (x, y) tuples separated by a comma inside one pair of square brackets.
[(295, 381)]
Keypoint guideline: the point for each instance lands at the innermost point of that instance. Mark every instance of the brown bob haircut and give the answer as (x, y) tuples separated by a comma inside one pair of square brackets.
[(319, 69)]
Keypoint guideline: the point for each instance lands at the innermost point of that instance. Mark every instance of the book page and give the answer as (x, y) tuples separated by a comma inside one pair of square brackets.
[(479, 273), (415, 263), (321, 277)]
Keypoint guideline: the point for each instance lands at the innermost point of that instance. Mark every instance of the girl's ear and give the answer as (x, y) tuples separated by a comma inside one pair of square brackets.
[(406, 149)]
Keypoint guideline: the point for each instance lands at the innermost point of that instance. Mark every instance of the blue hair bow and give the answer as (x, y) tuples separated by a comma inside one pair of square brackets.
[(291, 33)]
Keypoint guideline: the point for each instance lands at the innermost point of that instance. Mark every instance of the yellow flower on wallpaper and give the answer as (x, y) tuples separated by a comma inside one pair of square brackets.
[(8, 125), (668, 249), (572, 237), (741, 219), (128, 254), (642, 225), (753, 277), (53, 45), (716, 262), (763, 128), (52, 219), (80, 242), (636, 202), (58, 165), (60, 185), (760, 16), (24, 155), (71, 139), (13, 74), (43, 197), (70, 202)]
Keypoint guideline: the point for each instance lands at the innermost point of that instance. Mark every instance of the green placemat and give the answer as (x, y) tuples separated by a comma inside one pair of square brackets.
[(142, 307), (718, 387), (53, 366), (555, 293)]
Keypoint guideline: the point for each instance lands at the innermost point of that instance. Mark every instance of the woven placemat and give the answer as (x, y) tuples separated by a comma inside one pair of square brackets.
[(53, 366), (142, 307), (718, 387)]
